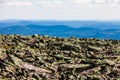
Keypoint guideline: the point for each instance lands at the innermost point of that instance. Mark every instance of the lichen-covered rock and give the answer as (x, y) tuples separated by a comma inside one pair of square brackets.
[(94, 48), (3, 54), (52, 58)]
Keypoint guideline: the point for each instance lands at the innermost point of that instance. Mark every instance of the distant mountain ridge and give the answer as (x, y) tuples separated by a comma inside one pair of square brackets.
[(74, 24), (81, 29)]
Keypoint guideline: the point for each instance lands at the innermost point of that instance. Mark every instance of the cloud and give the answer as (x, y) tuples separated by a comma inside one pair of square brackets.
[(91, 1), (96, 1), (106, 1), (50, 3), (100, 1), (117, 1), (1, 2), (81, 1), (16, 3), (56, 3)]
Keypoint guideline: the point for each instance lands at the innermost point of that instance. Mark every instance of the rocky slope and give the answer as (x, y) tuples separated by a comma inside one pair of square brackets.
[(53, 58)]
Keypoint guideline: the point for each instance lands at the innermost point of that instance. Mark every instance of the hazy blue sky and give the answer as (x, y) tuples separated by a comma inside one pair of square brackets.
[(60, 9)]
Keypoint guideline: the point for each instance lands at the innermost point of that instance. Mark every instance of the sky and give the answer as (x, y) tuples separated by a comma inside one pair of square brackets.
[(60, 9)]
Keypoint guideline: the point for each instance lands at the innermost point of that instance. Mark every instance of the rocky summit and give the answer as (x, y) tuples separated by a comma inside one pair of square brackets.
[(52, 58)]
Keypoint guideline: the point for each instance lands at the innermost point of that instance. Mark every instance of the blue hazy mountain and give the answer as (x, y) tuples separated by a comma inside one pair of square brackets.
[(81, 29)]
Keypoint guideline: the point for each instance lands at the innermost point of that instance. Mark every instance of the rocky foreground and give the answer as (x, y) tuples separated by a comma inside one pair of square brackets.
[(52, 58)]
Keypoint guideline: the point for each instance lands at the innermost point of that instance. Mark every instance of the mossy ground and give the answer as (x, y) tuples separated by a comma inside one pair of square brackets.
[(52, 58)]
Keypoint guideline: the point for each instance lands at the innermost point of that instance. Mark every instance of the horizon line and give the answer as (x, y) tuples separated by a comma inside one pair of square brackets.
[(101, 20)]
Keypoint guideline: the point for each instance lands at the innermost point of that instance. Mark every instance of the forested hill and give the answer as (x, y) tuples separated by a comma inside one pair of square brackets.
[(80, 29)]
